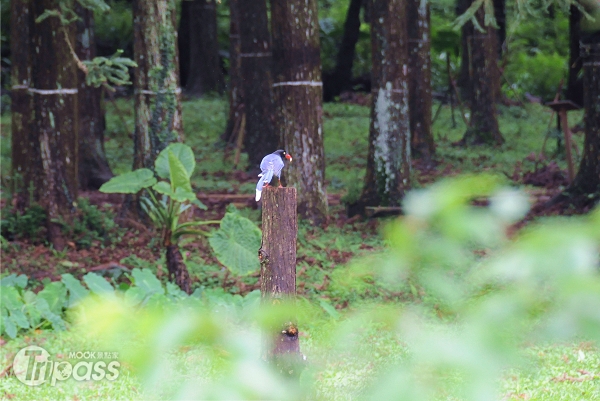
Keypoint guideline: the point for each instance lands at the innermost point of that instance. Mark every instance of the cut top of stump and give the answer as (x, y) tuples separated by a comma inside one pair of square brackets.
[(563, 105)]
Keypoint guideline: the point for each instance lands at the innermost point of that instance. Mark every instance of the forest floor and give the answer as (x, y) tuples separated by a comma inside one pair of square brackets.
[(218, 184), (326, 267)]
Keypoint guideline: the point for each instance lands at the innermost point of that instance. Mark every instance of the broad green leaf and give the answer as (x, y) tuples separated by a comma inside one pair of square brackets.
[(147, 281), (76, 290), (179, 176), (236, 244), (55, 295), (10, 298), (9, 326), (199, 204), (97, 284), (19, 318), (174, 292), (14, 280), (135, 295), (183, 153), (129, 183), (163, 188), (33, 314), (44, 309)]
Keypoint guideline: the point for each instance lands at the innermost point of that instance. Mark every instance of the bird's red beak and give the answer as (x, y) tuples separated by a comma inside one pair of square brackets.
[(289, 157)]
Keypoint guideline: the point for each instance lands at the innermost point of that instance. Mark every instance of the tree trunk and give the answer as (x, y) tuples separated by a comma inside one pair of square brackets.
[(55, 101), (484, 87), (340, 79), (178, 273), (205, 73), (419, 84), (156, 81), (277, 256), (466, 32), (389, 163), (585, 189), (574, 87), (500, 15), (256, 60), (26, 162), (298, 92), (93, 166), (183, 42), (235, 78)]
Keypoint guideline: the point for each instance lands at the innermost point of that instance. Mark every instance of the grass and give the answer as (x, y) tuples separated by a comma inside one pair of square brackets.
[(553, 372)]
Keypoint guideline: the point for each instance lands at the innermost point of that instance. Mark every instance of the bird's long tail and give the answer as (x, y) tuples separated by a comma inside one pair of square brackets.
[(265, 177)]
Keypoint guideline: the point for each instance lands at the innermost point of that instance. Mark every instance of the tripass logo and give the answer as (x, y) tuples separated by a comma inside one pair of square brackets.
[(32, 366)]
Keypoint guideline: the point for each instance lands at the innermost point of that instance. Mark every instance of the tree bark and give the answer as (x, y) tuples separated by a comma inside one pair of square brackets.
[(500, 15), (26, 162), (464, 74), (235, 78), (574, 88), (205, 75), (419, 84), (585, 189), (257, 79), (389, 160), (55, 101), (298, 94), (93, 165), (178, 273), (183, 42), (156, 81), (483, 88), (277, 255), (340, 79)]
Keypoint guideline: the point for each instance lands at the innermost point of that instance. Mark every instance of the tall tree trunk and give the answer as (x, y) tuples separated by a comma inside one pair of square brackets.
[(235, 77), (257, 78), (183, 42), (419, 83), (466, 32), (340, 79), (484, 87), (500, 15), (55, 102), (93, 166), (157, 99), (26, 162), (205, 73), (156, 80), (298, 94), (574, 88), (585, 189), (389, 161)]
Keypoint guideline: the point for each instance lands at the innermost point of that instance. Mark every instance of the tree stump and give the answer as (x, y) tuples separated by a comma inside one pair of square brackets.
[(277, 256)]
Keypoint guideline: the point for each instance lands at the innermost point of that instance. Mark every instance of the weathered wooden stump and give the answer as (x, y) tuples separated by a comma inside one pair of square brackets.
[(277, 256)]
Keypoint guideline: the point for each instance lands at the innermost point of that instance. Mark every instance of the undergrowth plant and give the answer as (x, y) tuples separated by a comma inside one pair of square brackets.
[(165, 201)]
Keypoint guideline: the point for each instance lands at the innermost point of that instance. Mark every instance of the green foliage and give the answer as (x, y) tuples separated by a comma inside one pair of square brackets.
[(91, 225), (108, 72), (30, 224), (236, 244), (129, 183)]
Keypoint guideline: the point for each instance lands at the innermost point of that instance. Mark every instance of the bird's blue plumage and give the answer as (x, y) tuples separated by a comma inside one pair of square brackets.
[(271, 165)]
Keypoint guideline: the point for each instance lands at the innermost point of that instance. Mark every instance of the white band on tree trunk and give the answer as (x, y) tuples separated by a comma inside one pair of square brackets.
[(147, 92), (53, 91), (264, 54), (299, 83)]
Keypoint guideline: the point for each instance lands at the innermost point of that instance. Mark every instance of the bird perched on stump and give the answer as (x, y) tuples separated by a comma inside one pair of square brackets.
[(271, 165)]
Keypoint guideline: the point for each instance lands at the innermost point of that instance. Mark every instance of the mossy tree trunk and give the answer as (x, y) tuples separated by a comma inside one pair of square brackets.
[(26, 161), (256, 61), (54, 88), (419, 84), (156, 80), (484, 87), (585, 189), (235, 77), (389, 159), (157, 99), (298, 93), (93, 165), (204, 73), (340, 79)]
